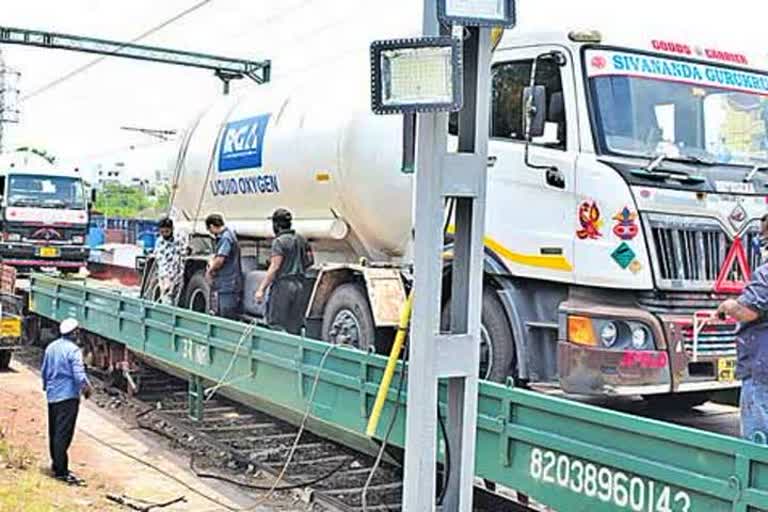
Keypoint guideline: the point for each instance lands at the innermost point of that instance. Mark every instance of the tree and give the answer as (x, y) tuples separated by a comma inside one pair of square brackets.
[(163, 199), (121, 201)]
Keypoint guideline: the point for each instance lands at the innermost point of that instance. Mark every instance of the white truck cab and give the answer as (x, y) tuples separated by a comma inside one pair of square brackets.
[(643, 191)]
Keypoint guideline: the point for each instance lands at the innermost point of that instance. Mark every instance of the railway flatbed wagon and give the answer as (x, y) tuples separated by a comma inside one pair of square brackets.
[(563, 454)]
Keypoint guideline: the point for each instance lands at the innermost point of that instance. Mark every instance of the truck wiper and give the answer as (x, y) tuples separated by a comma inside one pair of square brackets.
[(681, 176), (693, 159), (751, 174), (657, 161), (661, 158), (651, 173)]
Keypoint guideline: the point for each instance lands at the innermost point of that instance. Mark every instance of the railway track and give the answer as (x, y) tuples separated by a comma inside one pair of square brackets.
[(234, 442)]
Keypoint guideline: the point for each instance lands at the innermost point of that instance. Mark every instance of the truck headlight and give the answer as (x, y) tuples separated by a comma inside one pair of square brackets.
[(13, 237), (608, 334), (640, 337), (78, 239)]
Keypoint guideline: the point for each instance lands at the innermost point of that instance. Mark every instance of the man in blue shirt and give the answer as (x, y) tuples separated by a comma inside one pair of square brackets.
[(64, 380), (224, 270), (751, 310)]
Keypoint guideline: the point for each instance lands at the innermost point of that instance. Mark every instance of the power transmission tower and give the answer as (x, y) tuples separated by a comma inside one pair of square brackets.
[(9, 97)]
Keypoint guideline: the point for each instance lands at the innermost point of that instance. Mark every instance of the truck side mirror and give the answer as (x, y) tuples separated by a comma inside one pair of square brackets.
[(534, 111), (93, 196)]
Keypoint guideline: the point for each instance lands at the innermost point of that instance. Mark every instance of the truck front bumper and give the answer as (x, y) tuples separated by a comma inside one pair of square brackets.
[(669, 368), (27, 255)]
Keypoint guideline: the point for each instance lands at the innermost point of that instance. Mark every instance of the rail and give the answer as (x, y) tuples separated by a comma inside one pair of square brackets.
[(566, 455)]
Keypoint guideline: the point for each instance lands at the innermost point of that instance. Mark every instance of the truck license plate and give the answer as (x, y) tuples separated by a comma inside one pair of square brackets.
[(49, 252), (726, 369), (10, 328)]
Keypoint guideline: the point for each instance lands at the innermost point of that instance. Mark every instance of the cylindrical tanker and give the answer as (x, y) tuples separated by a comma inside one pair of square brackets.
[(312, 148)]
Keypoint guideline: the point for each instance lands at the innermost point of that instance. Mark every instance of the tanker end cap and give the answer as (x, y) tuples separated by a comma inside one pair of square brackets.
[(339, 230)]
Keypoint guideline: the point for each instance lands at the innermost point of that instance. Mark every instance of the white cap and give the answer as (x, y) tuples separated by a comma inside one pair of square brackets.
[(68, 325)]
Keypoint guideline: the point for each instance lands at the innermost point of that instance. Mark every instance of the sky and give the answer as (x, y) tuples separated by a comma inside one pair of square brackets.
[(79, 120)]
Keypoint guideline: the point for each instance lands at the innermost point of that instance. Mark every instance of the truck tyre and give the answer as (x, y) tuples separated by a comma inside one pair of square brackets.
[(678, 401), (197, 293), (497, 350), (152, 289), (347, 318), (5, 359)]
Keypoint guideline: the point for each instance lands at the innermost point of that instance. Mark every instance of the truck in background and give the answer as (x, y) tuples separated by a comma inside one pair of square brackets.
[(625, 189), (43, 215)]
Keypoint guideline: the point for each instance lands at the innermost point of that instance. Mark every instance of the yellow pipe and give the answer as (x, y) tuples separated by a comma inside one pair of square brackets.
[(389, 371)]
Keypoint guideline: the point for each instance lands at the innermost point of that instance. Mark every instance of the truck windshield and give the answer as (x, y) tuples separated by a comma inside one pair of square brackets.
[(648, 106), (45, 192)]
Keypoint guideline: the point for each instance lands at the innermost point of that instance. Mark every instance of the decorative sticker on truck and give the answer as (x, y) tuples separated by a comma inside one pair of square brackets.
[(606, 63), (626, 224), (242, 143), (623, 255), (590, 221)]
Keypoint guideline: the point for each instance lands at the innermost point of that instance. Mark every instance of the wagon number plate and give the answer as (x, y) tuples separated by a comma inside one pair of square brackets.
[(622, 491)]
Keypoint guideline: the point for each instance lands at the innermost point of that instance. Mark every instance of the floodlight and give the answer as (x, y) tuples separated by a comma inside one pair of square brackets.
[(416, 75), (479, 13)]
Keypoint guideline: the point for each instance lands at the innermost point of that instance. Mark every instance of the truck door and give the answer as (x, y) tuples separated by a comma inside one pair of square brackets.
[(531, 207)]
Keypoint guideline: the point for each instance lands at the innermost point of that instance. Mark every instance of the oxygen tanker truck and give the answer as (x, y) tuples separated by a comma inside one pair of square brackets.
[(620, 212)]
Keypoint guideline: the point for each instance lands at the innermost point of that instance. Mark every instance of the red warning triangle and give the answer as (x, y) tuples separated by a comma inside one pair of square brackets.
[(735, 256)]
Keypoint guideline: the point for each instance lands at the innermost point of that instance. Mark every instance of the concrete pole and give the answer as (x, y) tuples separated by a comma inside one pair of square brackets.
[(421, 417), (453, 356)]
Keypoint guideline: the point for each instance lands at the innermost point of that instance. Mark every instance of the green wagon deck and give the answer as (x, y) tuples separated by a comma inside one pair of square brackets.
[(567, 455)]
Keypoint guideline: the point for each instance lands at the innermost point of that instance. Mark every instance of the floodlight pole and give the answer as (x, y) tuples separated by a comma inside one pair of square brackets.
[(452, 356)]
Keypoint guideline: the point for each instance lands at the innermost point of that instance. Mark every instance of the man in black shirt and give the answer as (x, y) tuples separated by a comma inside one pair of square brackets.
[(289, 260)]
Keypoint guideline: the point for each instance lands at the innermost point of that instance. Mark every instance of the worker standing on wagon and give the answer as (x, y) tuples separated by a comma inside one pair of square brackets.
[(64, 380), (224, 271), (751, 310), (289, 260), (169, 255)]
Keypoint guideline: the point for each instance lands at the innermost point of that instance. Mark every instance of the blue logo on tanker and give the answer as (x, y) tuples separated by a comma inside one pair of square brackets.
[(242, 143), (241, 148)]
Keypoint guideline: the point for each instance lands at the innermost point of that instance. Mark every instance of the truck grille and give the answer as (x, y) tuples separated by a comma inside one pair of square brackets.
[(718, 340), (689, 252), (679, 302)]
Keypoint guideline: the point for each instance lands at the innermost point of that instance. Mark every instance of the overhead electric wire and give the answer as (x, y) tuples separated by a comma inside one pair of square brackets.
[(90, 64)]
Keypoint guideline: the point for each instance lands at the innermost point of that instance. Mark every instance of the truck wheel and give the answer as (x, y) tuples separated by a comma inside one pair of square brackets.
[(197, 293), (678, 400), (152, 290), (347, 318), (5, 359), (31, 330), (497, 346)]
